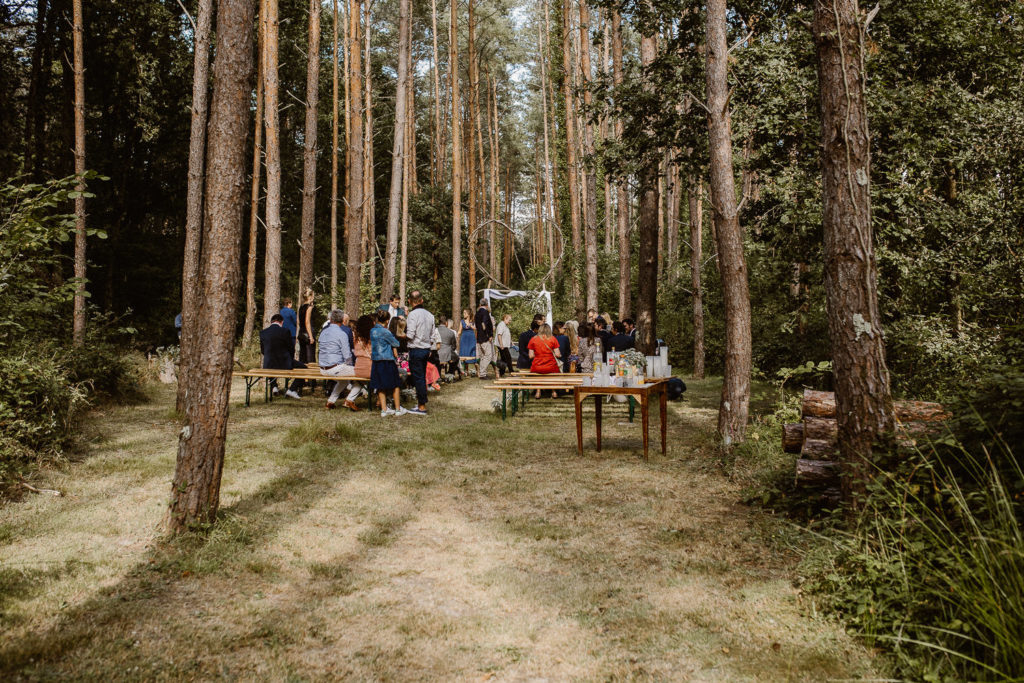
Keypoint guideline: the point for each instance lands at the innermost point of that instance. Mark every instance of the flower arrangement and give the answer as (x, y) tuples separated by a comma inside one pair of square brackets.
[(634, 358)]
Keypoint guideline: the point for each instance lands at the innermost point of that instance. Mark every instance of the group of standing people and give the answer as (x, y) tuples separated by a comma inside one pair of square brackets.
[(372, 348)]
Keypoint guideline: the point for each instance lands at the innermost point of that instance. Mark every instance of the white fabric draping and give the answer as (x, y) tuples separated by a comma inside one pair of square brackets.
[(500, 294)]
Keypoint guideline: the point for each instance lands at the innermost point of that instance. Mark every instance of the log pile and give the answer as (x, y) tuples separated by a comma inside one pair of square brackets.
[(816, 437)]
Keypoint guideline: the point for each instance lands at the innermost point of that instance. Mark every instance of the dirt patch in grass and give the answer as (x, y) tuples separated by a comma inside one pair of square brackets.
[(452, 547)]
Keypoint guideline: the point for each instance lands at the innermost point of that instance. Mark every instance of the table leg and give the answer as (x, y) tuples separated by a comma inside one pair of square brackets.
[(504, 411), (644, 417), (663, 401), (578, 401), (248, 389), (597, 418)]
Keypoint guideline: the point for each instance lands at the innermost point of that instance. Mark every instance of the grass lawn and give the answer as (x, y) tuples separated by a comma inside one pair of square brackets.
[(448, 547)]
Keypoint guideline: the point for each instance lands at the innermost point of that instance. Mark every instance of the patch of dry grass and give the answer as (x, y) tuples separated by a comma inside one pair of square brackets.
[(449, 547)]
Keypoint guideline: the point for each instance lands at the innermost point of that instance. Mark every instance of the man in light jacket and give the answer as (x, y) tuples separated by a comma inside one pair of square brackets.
[(336, 359), (419, 331)]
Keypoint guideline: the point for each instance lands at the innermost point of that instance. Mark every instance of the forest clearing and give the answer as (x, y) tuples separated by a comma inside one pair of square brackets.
[(456, 549), (438, 235)]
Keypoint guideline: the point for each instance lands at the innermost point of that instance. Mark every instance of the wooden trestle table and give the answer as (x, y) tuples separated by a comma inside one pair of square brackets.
[(643, 395)]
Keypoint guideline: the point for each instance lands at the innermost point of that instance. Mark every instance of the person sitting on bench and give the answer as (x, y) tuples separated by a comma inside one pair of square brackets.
[(278, 350), (336, 360)]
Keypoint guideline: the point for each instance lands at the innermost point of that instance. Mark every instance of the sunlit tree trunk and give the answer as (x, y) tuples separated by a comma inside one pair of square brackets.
[(621, 196), (369, 194), (78, 329), (863, 398), (334, 161), (647, 274), (492, 120), (696, 216), (272, 255), (672, 224), (308, 237), (734, 406), (249, 329), (195, 491), (194, 196), (570, 150), (589, 174), (456, 116), (408, 171), (356, 142)]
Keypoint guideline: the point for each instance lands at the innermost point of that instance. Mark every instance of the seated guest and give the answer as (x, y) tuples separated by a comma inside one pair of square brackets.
[(277, 348), (571, 361), (448, 354), (544, 353), (524, 342), (336, 359), (588, 346), (620, 341), (563, 343)]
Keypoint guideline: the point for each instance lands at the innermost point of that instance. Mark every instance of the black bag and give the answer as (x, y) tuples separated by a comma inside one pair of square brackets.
[(675, 389)]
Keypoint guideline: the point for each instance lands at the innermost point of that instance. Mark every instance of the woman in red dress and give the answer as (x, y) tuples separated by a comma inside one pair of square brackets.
[(544, 353)]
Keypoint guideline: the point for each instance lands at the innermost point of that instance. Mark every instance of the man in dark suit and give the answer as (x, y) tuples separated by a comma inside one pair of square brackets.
[(620, 341), (278, 349)]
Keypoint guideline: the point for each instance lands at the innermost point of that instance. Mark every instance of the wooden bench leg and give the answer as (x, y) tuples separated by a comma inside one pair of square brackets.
[(503, 408), (632, 408)]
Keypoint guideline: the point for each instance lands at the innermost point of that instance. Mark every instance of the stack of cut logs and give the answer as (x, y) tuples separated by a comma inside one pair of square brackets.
[(816, 437)]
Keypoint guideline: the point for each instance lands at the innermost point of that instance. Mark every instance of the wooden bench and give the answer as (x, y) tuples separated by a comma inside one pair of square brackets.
[(253, 376), (520, 384)]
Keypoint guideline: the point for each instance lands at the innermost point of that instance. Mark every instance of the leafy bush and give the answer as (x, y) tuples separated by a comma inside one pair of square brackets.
[(934, 571), (103, 370), (37, 407)]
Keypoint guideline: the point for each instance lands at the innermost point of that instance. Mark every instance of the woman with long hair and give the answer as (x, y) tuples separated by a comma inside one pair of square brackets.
[(588, 346), (467, 339), (573, 361), (363, 345), (544, 353), (384, 373)]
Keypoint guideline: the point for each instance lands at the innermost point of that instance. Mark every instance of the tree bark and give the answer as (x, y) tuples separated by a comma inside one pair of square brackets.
[(734, 407), (816, 471), (858, 351), (647, 274), (369, 248), (792, 437), (572, 167), (589, 173), (823, 404), (437, 170), (696, 262), (78, 329), (621, 196), (354, 216), (397, 154), (272, 255), (672, 224), (470, 151), (334, 161), (456, 115), (249, 327), (194, 195), (308, 235), (195, 491)]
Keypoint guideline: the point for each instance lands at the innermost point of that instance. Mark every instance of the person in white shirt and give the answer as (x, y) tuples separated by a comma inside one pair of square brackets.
[(503, 341), (419, 331)]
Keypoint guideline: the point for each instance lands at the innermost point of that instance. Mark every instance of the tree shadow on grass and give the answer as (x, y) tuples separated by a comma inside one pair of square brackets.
[(141, 595)]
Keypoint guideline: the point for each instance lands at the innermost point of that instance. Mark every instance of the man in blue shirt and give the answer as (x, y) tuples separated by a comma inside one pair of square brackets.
[(336, 359)]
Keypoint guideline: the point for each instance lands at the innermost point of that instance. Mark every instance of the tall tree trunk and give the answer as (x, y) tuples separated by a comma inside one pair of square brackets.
[(647, 275), (609, 217), (369, 193), (570, 151), (621, 196), (456, 114), (249, 328), (471, 174), (34, 110), (334, 161), (309, 151), (356, 142), (397, 152), (195, 491), (732, 412), (493, 126), (78, 330), (409, 173), (437, 171), (696, 259), (194, 196), (549, 192), (555, 213), (672, 224), (589, 174), (863, 398), (272, 255)]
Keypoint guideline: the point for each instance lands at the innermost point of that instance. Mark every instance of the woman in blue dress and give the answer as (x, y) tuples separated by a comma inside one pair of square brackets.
[(467, 340)]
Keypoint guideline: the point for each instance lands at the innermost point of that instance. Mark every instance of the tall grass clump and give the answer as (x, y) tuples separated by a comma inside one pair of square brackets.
[(934, 569)]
